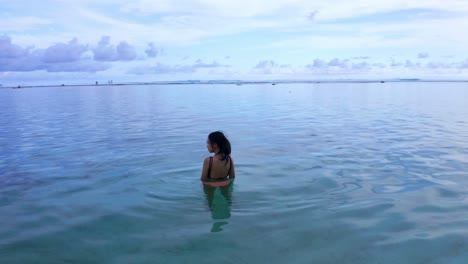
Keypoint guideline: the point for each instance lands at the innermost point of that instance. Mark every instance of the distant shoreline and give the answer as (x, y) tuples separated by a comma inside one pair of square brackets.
[(232, 82)]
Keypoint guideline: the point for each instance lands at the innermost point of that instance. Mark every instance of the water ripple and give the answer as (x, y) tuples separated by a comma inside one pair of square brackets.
[(376, 172)]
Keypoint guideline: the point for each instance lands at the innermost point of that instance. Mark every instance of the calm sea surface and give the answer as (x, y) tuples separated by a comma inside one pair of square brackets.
[(326, 173)]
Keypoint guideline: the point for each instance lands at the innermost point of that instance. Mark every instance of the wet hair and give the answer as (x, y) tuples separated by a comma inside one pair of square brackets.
[(223, 143)]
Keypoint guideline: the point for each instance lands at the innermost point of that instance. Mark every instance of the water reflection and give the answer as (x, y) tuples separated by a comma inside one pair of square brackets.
[(219, 200)]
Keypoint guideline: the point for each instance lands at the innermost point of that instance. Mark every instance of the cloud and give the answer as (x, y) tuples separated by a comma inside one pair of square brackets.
[(366, 66), (200, 64), (445, 65), (463, 65), (22, 23), (15, 58), (337, 63), (73, 56), (206, 7), (125, 51), (311, 16), (266, 66), (108, 52), (361, 58), (317, 64), (10, 50), (23, 64), (270, 67), (405, 64), (161, 68), (361, 66), (34, 62), (60, 57), (81, 66), (341, 67), (334, 63), (410, 64), (334, 66), (184, 23), (423, 55), (151, 51), (65, 52), (396, 64)]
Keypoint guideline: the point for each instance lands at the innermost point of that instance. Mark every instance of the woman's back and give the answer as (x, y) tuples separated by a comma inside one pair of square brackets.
[(220, 169)]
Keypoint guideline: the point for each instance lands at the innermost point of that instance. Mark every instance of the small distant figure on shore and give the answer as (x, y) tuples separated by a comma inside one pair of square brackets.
[(97, 83), (218, 170)]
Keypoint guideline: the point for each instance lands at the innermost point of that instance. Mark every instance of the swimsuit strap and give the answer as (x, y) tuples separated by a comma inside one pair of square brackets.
[(209, 168)]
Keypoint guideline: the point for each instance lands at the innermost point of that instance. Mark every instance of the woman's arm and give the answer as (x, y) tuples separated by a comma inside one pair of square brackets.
[(204, 174), (232, 170)]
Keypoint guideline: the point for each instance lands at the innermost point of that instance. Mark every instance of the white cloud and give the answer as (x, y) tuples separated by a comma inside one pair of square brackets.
[(271, 67), (318, 63), (361, 66), (340, 9), (151, 51), (182, 22), (325, 10), (292, 31), (23, 23), (10, 50), (65, 52), (423, 55), (333, 63), (337, 66), (266, 66), (410, 64), (361, 58), (15, 58), (126, 51), (443, 65), (463, 64), (200, 64), (60, 57), (105, 51), (82, 66), (338, 63), (311, 16), (161, 68), (227, 9)]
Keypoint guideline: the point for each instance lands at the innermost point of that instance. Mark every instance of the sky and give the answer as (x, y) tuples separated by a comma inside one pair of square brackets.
[(65, 41)]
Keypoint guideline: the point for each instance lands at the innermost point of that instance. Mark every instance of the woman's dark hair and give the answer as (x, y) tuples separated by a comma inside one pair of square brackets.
[(223, 143)]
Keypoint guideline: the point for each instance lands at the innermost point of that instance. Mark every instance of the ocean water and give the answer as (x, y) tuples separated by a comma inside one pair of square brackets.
[(326, 173)]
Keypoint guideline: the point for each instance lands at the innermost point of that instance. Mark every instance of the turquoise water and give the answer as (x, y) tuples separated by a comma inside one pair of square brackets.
[(326, 173)]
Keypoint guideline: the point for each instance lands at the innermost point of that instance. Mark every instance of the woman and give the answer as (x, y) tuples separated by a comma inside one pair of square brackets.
[(218, 169)]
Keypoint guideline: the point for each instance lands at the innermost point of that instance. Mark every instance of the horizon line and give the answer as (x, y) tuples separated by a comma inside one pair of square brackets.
[(236, 82)]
